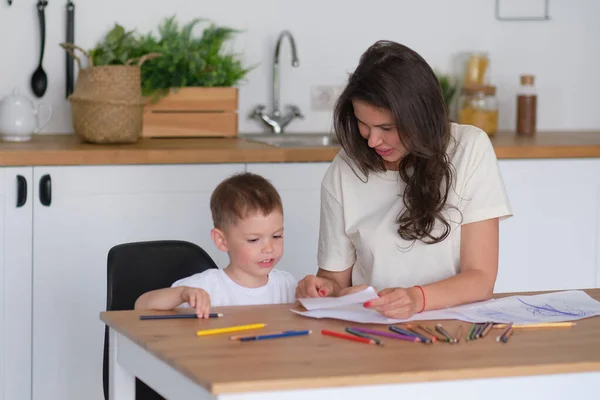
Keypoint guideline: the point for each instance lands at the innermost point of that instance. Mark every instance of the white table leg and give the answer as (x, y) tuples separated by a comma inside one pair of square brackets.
[(121, 384)]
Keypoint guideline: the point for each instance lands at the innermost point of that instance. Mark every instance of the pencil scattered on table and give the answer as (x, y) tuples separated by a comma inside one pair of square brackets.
[(390, 335), (363, 335), (178, 316), (278, 335), (539, 325), (347, 336), (205, 332), (449, 338), (409, 333), (504, 332)]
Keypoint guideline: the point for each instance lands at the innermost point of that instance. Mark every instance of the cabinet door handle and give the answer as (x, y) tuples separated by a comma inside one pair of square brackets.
[(46, 190), (21, 191)]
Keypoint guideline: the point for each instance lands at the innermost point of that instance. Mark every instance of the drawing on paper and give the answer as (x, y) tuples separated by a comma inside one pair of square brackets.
[(525, 311), (549, 310)]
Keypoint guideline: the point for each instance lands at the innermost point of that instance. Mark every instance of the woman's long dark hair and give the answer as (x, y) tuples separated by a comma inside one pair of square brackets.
[(393, 77)]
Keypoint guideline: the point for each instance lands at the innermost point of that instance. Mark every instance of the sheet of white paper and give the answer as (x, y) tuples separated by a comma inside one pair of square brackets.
[(319, 303), (568, 305), (551, 307), (358, 313)]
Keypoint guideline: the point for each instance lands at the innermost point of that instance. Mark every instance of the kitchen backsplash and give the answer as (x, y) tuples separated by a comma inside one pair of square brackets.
[(562, 53)]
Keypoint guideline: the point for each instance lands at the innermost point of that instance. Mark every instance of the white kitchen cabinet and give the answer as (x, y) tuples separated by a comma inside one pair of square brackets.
[(552, 242), (299, 185), (15, 282), (92, 209)]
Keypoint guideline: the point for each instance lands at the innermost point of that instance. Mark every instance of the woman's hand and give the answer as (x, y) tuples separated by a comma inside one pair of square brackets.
[(198, 299), (398, 303), (314, 286)]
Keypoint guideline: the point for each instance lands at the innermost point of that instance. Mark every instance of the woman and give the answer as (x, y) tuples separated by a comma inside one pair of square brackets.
[(411, 203)]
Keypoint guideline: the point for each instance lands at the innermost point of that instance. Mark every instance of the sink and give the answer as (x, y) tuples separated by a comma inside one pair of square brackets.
[(295, 139)]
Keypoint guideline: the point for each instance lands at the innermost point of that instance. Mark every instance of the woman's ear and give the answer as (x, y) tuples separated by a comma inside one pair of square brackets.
[(218, 237)]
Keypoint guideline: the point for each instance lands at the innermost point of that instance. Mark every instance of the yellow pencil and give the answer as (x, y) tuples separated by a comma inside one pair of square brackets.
[(228, 329), (540, 325)]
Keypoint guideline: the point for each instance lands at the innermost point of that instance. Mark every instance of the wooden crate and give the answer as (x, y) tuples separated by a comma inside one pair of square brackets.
[(193, 112)]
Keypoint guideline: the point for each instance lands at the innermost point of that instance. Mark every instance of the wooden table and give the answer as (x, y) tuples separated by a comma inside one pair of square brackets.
[(168, 356)]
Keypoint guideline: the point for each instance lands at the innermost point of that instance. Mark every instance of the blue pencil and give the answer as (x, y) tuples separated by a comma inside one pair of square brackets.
[(178, 316), (275, 335)]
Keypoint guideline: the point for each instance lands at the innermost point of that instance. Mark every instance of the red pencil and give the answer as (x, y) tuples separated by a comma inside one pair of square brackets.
[(348, 337)]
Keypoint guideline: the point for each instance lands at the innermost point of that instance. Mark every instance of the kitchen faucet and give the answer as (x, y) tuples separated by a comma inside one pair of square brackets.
[(277, 121)]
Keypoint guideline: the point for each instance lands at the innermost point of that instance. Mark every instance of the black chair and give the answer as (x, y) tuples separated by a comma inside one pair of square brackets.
[(136, 268)]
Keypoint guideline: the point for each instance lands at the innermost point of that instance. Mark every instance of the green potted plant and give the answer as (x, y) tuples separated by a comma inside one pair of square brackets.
[(449, 87), (191, 87)]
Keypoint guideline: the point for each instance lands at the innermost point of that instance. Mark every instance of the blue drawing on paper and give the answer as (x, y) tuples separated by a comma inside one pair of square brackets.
[(549, 310)]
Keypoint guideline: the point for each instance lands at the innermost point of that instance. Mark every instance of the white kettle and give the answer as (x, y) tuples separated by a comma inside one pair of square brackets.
[(19, 117)]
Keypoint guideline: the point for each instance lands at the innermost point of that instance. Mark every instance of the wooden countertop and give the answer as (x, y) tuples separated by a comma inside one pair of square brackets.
[(317, 361), (67, 149)]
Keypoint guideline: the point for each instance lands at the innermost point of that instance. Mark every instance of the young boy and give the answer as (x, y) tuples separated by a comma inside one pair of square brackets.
[(248, 224)]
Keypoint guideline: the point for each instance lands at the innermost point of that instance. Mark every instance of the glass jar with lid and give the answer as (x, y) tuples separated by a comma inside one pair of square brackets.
[(476, 69), (479, 107)]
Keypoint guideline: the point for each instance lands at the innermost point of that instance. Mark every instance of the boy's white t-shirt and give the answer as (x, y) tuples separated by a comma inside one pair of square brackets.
[(358, 228), (280, 289)]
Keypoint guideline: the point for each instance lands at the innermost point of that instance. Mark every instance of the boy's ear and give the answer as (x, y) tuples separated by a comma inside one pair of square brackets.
[(218, 237)]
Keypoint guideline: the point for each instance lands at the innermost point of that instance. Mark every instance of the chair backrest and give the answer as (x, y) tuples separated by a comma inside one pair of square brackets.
[(136, 268)]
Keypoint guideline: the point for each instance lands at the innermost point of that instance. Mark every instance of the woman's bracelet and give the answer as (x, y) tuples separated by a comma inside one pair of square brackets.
[(423, 293)]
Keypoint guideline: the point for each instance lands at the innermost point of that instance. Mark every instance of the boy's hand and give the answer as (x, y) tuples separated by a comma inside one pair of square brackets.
[(314, 286), (198, 299)]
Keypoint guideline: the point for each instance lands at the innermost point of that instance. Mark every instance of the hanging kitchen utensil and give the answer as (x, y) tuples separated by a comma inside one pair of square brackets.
[(70, 39), (39, 79)]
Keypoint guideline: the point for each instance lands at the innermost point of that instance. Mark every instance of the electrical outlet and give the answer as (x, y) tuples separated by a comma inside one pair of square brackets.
[(323, 97)]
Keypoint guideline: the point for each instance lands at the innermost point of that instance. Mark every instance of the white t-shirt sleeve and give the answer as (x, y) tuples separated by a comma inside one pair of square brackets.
[(204, 280), (484, 195), (335, 249)]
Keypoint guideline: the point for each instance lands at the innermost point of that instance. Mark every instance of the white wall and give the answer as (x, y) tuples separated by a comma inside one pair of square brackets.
[(563, 53)]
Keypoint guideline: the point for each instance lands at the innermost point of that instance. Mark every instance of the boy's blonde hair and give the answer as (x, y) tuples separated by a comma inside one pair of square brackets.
[(240, 196)]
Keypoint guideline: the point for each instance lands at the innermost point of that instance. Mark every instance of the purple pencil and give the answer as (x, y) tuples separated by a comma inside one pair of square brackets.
[(387, 334)]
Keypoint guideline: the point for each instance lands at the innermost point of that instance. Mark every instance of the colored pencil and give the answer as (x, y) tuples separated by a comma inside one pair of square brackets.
[(487, 329), (205, 332), (409, 333), (346, 336), (238, 337), (506, 329), (539, 325), (478, 331), (363, 335), (390, 335), (468, 337), (433, 333), (459, 333), (275, 335), (507, 335), (178, 316), (440, 329), (420, 331)]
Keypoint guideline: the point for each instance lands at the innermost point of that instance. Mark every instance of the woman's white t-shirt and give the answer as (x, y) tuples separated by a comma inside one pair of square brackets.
[(280, 289), (358, 228)]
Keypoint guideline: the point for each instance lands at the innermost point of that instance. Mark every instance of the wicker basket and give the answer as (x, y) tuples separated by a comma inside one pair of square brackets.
[(107, 104)]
